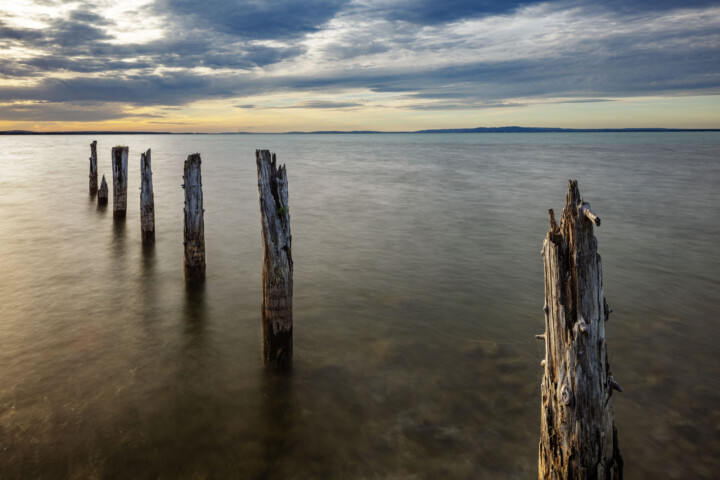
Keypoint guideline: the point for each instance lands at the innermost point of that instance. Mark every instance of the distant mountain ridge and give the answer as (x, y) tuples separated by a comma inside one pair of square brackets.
[(511, 129), (560, 130)]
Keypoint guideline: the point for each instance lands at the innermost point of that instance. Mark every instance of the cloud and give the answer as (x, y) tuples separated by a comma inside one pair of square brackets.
[(587, 100), (83, 41), (327, 104), (422, 54), (21, 34), (465, 106), (49, 63), (432, 12), (42, 111), (319, 104), (176, 88), (251, 19)]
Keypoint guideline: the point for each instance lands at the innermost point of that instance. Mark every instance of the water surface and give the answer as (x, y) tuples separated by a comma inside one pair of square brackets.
[(418, 291)]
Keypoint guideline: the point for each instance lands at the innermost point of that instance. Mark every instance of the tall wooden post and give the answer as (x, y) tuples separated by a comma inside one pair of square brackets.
[(120, 169), (277, 281), (147, 200), (578, 439), (93, 168), (103, 192), (194, 224)]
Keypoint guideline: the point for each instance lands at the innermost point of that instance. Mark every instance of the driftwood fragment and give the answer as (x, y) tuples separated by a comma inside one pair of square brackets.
[(120, 169), (194, 231), (277, 273), (93, 168), (103, 192), (578, 439), (147, 200)]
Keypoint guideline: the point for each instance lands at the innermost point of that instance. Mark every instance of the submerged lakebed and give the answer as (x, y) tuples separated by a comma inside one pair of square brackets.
[(418, 289)]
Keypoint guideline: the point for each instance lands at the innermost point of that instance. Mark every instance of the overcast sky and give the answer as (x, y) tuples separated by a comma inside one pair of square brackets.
[(253, 65)]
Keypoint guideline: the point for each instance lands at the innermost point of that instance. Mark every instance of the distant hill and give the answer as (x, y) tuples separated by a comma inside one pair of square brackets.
[(558, 130)]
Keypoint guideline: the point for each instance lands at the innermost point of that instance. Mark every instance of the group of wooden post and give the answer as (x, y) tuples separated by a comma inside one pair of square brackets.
[(578, 437), (119, 164), (277, 283)]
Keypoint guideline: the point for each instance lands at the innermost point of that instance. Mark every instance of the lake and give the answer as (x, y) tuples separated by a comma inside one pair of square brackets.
[(418, 291)]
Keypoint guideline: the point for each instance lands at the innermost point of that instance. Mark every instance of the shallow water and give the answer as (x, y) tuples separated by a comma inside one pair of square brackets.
[(418, 290)]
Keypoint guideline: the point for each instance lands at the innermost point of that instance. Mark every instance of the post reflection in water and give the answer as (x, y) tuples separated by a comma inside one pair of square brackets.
[(194, 313), (148, 260), (100, 207), (119, 230), (150, 310), (277, 414)]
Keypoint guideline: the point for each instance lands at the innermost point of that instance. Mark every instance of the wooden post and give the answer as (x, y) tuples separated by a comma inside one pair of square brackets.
[(103, 192), (120, 168), (578, 439), (93, 168), (277, 281), (194, 224), (147, 200)]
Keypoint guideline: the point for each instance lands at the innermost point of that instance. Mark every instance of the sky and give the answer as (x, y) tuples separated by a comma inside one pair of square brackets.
[(394, 65)]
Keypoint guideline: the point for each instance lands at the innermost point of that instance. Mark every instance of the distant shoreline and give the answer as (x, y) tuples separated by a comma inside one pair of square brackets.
[(338, 132)]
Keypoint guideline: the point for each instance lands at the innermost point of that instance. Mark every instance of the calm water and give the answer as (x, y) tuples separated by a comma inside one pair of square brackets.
[(418, 290)]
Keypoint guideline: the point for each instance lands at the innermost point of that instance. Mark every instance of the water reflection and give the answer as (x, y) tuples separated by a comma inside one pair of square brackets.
[(277, 416), (118, 247), (101, 206), (147, 288), (148, 261), (194, 313)]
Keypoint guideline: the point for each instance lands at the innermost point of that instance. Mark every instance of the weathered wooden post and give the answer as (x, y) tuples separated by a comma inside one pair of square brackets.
[(147, 200), (578, 439), (277, 281), (103, 192), (194, 224), (120, 168), (93, 168)]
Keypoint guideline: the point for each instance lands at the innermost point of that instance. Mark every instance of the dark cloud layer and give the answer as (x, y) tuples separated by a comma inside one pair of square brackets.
[(170, 89), (251, 19), (433, 12), (64, 112)]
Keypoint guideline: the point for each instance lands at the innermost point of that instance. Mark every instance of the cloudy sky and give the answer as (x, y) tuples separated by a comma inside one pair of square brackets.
[(255, 65)]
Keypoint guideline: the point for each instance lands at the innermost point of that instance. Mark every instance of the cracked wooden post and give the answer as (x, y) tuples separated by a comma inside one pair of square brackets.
[(578, 439), (103, 192), (147, 200), (120, 169), (194, 263), (93, 168), (277, 281)]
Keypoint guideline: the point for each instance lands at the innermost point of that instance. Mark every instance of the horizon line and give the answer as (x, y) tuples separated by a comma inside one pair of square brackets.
[(506, 129)]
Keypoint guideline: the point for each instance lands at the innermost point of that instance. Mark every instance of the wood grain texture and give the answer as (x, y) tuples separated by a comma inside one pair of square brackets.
[(194, 231), (578, 439), (277, 273), (120, 174), (147, 199), (93, 169)]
